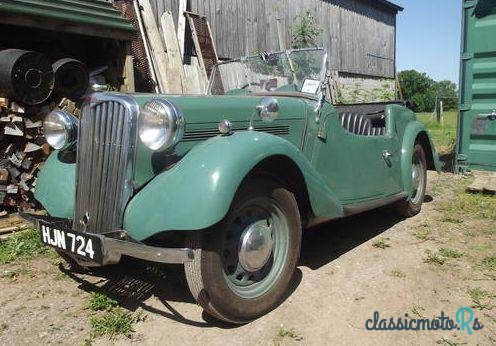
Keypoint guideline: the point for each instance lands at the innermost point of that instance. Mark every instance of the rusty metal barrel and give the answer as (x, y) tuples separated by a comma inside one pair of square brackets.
[(25, 76)]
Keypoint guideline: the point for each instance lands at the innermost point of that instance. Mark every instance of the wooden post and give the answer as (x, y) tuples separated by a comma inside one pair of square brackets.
[(181, 26), (128, 75), (280, 35), (175, 69), (156, 45)]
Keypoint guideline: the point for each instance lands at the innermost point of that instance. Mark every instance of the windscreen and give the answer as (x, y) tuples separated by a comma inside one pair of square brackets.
[(292, 71)]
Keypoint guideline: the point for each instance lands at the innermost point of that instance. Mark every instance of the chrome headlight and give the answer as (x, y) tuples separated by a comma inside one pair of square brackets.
[(60, 129), (160, 124)]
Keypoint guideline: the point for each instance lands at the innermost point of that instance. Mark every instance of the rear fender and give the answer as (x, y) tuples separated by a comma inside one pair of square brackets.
[(415, 132)]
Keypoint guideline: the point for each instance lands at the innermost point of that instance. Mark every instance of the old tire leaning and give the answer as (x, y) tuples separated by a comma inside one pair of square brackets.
[(244, 265), (413, 204)]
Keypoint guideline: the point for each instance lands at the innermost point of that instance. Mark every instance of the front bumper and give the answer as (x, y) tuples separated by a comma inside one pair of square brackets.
[(116, 244)]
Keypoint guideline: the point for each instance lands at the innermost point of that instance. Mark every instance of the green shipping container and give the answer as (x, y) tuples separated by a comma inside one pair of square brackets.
[(476, 140)]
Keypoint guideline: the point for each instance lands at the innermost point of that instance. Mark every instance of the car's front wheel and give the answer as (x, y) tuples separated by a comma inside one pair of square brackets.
[(243, 266)]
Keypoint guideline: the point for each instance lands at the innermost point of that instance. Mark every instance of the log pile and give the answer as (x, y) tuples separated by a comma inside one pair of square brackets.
[(22, 152)]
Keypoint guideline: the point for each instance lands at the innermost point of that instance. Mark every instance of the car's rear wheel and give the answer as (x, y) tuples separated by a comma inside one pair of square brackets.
[(243, 266), (413, 204)]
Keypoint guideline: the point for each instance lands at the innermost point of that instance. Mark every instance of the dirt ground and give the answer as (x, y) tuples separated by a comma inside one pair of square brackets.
[(349, 268)]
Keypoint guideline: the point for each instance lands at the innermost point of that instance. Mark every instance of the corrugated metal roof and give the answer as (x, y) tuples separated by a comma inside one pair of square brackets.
[(89, 17)]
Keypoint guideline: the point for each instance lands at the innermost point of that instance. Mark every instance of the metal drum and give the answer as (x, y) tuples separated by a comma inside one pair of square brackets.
[(25, 76), (71, 78)]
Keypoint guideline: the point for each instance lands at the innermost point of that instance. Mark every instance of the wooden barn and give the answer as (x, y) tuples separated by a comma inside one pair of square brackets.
[(359, 35)]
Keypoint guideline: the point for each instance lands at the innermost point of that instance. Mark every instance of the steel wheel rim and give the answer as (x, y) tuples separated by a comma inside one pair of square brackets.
[(418, 180), (254, 284)]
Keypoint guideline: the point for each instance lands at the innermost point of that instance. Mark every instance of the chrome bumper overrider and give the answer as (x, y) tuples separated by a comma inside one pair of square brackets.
[(114, 246)]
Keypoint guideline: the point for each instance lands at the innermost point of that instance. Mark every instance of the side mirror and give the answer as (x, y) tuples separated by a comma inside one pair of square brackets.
[(268, 109)]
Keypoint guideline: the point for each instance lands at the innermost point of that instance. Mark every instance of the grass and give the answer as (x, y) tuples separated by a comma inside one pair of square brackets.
[(478, 296), (423, 232), (434, 258), (417, 310), (288, 333), (450, 253), (444, 133), (489, 262), (22, 245), (398, 273), (115, 322), (381, 243), (101, 302), (466, 205)]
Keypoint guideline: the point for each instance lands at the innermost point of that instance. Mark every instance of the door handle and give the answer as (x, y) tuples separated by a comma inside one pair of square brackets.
[(386, 155)]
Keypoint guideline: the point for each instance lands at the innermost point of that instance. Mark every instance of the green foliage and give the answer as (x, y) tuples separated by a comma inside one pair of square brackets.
[(444, 133), (448, 92), (479, 296), (434, 258), (422, 91), (305, 31), (489, 262), (101, 302), (115, 322), (21, 246), (450, 253)]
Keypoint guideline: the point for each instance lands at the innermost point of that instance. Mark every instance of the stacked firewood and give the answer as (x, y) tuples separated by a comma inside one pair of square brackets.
[(23, 149)]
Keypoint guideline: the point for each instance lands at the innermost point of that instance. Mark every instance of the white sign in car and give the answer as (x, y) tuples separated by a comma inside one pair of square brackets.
[(310, 86)]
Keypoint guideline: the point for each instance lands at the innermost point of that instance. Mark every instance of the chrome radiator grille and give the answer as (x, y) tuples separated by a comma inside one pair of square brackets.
[(105, 162)]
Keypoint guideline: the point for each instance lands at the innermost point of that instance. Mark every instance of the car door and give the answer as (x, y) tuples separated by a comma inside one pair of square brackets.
[(356, 167)]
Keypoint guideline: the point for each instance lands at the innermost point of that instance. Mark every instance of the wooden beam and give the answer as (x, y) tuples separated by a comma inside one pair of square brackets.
[(128, 75), (181, 26), (157, 48), (196, 42), (175, 67)]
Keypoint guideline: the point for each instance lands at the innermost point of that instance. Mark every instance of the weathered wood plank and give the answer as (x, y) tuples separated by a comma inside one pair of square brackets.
[(156, 45), (175, 62), (181, 25)]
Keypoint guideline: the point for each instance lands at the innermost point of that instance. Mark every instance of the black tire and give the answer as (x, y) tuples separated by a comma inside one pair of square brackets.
[(209, 276), (412, 206)]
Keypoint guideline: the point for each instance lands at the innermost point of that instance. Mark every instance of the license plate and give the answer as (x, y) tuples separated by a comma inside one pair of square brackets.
[(76, 243)]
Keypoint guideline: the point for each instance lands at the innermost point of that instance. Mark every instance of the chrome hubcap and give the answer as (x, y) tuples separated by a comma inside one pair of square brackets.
[(255, 246)]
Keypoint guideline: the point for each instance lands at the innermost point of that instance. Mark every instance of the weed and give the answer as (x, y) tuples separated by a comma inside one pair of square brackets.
[(382, 243), (450, 253), (21, 246), (489, 262), (101, 302), (434, 258), (289, 333), (422, 233), (398, 273), (115, 322), (3, 327), (478, 295), (417, 310), (444, 341)]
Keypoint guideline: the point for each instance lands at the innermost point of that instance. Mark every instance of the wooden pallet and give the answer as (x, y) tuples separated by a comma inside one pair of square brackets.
[(203, 41), (484, 182)]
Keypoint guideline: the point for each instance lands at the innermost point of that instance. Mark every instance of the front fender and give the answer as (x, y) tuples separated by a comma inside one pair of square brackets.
[(198, 191), (56, 186), (414, 131)]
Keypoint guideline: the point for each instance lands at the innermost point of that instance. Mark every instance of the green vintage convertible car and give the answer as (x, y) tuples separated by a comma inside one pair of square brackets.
[(225, 183)]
